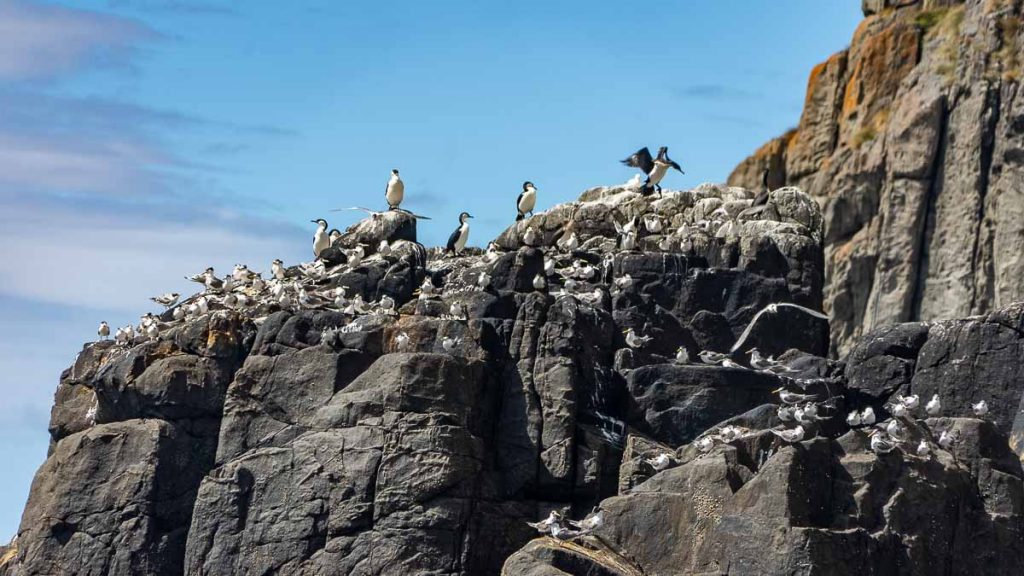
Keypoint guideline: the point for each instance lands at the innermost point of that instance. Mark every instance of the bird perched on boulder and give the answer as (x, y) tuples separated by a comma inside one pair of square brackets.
[(457, 241), (103, 331), (634, 340), (321, 241), (934, 406), (166, 300), (761, 200), (654, 168), (591, 522), (881, 443), (980, 409), (544, 526), (660, 462), (401, 341), (394, 192), (788, 397), (791, 435), (449, 344), (527, 201)]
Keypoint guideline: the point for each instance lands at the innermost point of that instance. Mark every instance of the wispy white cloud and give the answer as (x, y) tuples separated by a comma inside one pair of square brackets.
[(43, 41), (714, 92), (115, 259), (177, 6)]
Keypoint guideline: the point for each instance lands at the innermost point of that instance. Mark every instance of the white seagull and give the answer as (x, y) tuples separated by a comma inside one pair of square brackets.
[(394, 192), (772, 309), (790, 435), (660, 462)]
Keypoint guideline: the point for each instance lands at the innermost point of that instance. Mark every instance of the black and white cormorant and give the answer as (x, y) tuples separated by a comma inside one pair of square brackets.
[(654, 168), (457, 241), (527, 201)]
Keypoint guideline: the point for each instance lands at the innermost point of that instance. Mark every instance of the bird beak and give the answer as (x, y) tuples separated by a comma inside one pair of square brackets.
[(313, 221)]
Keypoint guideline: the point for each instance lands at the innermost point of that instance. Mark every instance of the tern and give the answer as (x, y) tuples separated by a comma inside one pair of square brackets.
[(772, 309), (166, 300), (791, 435)]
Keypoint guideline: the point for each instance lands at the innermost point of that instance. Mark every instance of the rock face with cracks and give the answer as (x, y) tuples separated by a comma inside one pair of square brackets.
[(912, 141), (314, 430)]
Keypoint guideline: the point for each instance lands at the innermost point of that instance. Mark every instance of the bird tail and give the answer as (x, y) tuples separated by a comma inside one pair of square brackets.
[(519, 217)]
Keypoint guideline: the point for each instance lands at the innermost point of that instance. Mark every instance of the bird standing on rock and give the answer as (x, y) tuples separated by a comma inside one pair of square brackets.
[(457, 241), (277, 269), (527, 201), (660, 462), (633, 340), (166, 300), (791, 435), (103, 331), (321, 241), (394, 192), (934, 406), (544, 526), (654, 168)]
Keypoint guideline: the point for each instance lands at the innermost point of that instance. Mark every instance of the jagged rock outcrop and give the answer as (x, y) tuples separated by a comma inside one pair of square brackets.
[(912, 140), (830, 504), (315, 429)]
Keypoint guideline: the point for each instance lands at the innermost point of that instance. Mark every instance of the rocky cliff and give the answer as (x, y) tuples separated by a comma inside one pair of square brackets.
[(912, 140), (341, 421)]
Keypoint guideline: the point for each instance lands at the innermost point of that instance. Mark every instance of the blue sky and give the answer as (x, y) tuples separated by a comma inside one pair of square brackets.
[(144, 140)]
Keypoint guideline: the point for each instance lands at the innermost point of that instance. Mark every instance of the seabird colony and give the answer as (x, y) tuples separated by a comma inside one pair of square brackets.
[(302, 287)]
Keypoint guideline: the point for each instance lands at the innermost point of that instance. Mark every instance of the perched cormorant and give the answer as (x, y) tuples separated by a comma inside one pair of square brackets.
[(527, 201), (457, 241), (654, 168)]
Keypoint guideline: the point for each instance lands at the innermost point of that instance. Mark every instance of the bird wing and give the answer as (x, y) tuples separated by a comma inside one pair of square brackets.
[(746, 331), (416, 216), (519, 201), (814, 313), (367, 210), (675, 165), (641, 159)]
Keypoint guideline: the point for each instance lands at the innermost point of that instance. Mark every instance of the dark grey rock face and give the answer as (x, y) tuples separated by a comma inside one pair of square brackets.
[(910, 139), (331, 438)]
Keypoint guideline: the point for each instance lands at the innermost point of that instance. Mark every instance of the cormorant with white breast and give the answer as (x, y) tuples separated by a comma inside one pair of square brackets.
[(457, 241), (527, 201), (321, 240), (395, 191), (654, 168)]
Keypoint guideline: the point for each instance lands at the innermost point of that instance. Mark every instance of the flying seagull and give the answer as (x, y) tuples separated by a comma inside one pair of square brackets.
[(771, 309), (375, 214)]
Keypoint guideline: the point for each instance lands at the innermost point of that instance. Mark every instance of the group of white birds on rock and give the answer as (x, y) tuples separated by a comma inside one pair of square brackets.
[(557, 526)]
